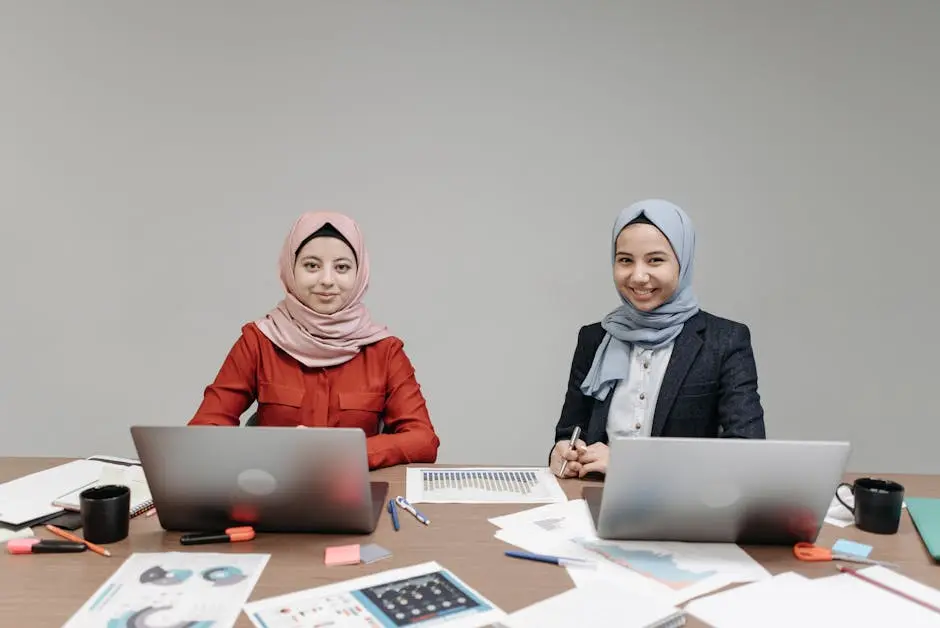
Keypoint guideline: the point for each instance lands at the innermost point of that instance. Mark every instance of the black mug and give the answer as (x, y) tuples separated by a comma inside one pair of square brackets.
[(106, 513), (877, 504)]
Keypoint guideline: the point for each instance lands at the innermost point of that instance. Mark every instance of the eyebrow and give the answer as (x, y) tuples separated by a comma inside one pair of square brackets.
[(664, 253), (314, 257)]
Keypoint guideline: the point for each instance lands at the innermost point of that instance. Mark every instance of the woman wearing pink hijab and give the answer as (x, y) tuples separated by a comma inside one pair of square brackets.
[(318, 360)]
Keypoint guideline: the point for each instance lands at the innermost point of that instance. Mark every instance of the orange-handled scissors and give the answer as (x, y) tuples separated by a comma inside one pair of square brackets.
[(814, 553)]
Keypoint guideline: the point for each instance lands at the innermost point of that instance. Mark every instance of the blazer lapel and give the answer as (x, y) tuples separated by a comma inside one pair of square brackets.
[(684, 351)]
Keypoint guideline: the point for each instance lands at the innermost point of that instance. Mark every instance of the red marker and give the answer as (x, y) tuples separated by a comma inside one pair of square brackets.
[(231, 535), (39, 546)]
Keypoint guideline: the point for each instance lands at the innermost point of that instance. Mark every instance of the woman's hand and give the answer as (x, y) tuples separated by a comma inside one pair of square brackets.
[(562, 452), (592, 459)]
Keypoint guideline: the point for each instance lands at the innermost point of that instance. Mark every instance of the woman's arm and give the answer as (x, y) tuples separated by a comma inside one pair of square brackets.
[(576, 410), (740, 414), (235, 387), (409, 435)]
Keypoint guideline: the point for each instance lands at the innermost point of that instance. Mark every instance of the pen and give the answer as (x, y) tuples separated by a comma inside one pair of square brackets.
[(405, 505), (555, 560), (39, 546), (231, 535), (97, 549), (392, 510), (574, 441)]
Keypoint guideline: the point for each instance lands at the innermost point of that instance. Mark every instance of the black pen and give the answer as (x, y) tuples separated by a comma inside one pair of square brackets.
[(231, 535)]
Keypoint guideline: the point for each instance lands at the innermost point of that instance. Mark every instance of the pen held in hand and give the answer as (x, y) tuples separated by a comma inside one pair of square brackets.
[(571, 445)]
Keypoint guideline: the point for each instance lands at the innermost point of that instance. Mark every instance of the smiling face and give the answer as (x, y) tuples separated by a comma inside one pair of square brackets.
[(325, 274), (646, 270)]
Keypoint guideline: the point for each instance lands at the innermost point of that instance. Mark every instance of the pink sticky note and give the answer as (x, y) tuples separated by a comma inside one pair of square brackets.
[(342, 555)]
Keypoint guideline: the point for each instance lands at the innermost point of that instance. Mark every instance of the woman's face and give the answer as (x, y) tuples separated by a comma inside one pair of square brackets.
[(324, 274), (646, 271)]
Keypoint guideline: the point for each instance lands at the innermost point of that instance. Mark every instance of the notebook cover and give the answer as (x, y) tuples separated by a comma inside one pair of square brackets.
[(925, 513)]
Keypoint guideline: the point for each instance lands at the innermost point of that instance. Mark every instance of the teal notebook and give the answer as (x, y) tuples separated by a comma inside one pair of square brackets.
[(925, 513)]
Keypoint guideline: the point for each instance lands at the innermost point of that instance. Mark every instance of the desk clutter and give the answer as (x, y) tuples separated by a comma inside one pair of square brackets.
[(39, 497), (629, 584)]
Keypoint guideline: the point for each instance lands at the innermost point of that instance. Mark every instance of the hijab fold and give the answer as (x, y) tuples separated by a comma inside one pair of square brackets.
[(626, 325), (315, 339)]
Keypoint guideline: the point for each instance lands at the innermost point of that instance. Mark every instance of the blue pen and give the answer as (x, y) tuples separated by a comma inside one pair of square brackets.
[(404, 504), (394, 512), (554, 560)]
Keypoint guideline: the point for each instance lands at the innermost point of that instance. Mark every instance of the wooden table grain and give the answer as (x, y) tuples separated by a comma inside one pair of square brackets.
[(45, 590)]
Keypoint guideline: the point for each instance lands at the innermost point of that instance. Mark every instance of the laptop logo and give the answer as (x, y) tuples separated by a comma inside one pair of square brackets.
[(256, 482)]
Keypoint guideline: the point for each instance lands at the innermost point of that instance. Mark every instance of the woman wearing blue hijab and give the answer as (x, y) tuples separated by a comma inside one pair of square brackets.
[(657, 365)]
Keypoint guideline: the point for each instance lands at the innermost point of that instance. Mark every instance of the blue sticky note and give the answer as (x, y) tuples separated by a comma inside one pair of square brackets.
[(844, 546)]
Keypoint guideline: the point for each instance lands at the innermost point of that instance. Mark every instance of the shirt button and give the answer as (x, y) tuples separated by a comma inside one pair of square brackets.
[(642, 396), (646, 365), (637, 426)]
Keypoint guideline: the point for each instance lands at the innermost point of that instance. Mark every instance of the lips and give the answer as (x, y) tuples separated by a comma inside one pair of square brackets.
[(642, 293)]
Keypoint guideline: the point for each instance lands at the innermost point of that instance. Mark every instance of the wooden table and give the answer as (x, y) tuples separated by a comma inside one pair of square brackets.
[(45, 590)]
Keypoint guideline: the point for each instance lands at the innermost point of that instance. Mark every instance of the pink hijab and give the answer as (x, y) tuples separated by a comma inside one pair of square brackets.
[(322, 339)]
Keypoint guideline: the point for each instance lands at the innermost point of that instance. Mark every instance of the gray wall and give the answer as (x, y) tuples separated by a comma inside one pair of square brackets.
[(153, 156)]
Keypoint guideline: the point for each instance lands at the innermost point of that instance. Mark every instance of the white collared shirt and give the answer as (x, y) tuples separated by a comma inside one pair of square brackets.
[(634, 401)]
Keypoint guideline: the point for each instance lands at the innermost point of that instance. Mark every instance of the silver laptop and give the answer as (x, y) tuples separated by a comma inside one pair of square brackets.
[(761, 492), (275, 479)]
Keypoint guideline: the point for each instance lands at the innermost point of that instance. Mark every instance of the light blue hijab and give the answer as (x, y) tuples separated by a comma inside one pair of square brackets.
[(627, 325)]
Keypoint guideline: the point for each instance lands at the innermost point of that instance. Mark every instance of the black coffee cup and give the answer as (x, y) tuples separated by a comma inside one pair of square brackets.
[(106, 513), (877, 504)]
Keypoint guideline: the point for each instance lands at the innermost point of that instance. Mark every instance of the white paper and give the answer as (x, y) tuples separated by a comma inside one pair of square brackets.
[(566, 519), (673, 572), (483, 485), (840, 516), (603, 605), (790, 600), (192, 589), (390, 598), (771, 603)]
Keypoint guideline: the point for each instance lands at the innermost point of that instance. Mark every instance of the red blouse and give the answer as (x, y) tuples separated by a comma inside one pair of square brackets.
[(376, 387)]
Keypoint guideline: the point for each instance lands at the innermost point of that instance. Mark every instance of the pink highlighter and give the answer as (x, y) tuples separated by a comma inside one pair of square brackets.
[(42, 546)]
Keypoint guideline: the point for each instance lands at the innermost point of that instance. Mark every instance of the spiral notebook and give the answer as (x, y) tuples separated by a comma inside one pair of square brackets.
[(114, 471), (597, 607)]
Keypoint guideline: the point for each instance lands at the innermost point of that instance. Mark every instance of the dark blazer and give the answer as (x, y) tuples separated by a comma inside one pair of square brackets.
[(709, 388)]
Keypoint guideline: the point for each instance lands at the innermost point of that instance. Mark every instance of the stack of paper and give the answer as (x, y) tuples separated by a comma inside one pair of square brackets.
[(789, 599), (671, 572)]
